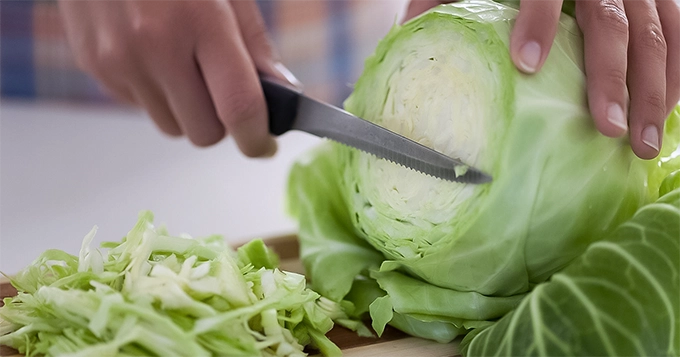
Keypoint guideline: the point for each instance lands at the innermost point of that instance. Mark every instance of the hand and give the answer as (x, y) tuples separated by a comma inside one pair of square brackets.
[(193, 65), (632, 60)]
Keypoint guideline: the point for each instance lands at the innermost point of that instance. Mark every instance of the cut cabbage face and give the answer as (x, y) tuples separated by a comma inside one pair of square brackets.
[(434, 94)]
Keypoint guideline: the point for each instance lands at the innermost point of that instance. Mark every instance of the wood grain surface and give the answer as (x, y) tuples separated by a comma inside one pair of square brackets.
[(393, 343)]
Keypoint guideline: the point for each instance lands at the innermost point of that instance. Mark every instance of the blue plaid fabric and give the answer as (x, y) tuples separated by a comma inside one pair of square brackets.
[(16, 49), (324, 42)]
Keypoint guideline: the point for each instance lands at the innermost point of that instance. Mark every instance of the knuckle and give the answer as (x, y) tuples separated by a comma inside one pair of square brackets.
[(258, 34), (113, 57), (105, 59), (547, 14), (155, 33), (239, 108), (258, 41), (149, 35), (652, 39), (616, 77), (656, 101), (609, 14)]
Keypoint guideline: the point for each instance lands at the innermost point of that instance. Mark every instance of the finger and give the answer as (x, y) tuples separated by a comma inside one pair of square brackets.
[(258, 43), (533, 33), (117, 90), (116, 81), (233, 83), (135, 80), (605, 31), (646, 78), (669, 16), (417, 7), (191, 104), (179, 80), (155, 104)]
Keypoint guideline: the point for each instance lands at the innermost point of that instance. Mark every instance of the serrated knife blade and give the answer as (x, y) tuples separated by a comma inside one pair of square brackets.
[(289, 109)]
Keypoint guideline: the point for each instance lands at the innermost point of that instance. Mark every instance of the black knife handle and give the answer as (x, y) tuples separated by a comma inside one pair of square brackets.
[(282, 104)]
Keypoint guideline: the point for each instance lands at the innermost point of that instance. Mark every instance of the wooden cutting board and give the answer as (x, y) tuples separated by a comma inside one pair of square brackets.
[(393, 342)]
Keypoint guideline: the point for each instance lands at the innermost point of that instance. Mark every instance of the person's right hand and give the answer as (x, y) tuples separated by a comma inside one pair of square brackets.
[(193, 65)]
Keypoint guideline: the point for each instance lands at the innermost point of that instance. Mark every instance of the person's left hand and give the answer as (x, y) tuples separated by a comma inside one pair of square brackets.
[(632, 59)]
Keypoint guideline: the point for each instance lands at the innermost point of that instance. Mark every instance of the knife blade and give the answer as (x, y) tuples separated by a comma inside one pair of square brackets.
[(290, 109)]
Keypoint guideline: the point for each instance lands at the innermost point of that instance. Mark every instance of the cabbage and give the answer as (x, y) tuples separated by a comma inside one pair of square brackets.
[(435, 258), (159, 295)]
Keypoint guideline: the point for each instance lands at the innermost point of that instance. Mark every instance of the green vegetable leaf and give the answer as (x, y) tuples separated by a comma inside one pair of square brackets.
[(620, 298)]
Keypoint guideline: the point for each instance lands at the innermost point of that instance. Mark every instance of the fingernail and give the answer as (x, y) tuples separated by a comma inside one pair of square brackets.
[(616, 117), (287, 74), (650, 136), (529, 56)]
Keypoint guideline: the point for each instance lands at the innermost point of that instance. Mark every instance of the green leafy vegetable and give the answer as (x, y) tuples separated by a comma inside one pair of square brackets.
[(437, 258), (620, 298), (155, 294)]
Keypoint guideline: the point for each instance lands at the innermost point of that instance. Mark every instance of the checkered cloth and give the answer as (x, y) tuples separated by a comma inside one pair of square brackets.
[(323, 42)]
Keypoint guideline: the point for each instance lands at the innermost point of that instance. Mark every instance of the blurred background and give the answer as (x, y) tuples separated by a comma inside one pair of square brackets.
[(71, 157)]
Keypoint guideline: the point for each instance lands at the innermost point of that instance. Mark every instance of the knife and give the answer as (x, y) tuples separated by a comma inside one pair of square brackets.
[(290, 109)]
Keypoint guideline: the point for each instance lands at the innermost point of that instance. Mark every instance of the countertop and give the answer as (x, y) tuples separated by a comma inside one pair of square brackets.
[(65, 168)]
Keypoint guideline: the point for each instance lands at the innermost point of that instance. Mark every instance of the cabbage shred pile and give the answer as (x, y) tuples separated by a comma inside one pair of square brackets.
[(159, 295)]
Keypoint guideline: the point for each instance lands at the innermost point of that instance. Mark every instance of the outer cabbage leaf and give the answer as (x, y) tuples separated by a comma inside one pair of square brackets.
[(329, 243), (620, 298)]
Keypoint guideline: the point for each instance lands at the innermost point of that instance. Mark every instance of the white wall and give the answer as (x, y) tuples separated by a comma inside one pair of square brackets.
[(66, 168)]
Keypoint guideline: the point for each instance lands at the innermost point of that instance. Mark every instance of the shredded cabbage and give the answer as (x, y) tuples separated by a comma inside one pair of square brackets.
[(160, 295)]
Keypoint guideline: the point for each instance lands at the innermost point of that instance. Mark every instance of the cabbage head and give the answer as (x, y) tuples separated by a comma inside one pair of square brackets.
[(436, 258)]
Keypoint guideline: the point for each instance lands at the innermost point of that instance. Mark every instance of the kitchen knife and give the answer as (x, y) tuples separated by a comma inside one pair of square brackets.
[(290, 109)]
